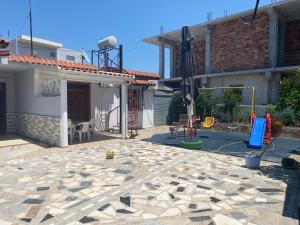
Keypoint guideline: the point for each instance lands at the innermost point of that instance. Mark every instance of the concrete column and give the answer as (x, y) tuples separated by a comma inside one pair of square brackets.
[(204, 82), (273, 87), (63, 113), (273, 37), (172, 61), (207, 50), (281, 40), (162, 59), (124, 111)]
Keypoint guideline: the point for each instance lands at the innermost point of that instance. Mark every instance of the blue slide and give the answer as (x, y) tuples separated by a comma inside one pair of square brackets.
[(257, 136)]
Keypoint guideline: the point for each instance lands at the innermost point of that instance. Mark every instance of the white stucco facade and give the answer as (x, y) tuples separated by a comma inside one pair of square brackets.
[(103, 101), (105, 107), (28, 101)]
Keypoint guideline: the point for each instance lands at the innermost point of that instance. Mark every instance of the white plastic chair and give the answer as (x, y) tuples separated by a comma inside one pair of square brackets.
[(71, 130), (83, 130), (92, 127)]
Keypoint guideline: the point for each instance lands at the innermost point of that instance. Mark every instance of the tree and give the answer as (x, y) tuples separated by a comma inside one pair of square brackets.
[(231, 100)]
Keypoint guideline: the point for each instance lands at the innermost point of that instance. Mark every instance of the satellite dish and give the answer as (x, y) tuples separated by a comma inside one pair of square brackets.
[(85, 56)]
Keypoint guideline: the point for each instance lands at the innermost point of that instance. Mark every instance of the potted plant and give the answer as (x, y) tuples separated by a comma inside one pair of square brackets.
[(276, 126)]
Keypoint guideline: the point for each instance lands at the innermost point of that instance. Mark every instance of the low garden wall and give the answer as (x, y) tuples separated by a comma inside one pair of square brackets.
[(41, 128)]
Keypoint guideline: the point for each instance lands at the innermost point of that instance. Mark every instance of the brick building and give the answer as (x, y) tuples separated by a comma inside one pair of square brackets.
[(231, 51)]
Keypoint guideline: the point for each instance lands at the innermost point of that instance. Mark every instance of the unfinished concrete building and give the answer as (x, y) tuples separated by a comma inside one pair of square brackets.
[(233, 52)]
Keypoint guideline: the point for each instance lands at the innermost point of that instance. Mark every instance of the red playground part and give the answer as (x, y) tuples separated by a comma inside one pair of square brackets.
[(268, 133), (253, 116)]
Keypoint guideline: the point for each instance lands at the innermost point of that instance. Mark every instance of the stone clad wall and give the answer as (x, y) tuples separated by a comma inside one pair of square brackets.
[(11, 127), (237, 46), (292, 43), (41, 128)]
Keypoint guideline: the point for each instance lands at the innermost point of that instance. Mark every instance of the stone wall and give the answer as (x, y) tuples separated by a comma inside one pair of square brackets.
[(11, 126), (292, 43), (237, 46), (41, 128)]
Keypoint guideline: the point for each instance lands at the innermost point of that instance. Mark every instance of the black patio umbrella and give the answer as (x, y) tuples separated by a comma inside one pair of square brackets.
[(187, 68)]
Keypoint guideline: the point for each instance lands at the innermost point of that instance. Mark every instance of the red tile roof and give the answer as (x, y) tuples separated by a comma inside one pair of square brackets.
[(143, 82), (143, 74), (63, 64), (84, 68)]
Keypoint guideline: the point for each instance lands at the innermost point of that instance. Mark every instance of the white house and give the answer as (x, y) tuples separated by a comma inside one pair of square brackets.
[(40, 93)]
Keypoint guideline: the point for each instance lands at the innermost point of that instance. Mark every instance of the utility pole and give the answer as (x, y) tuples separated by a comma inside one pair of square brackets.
[(30, 21)]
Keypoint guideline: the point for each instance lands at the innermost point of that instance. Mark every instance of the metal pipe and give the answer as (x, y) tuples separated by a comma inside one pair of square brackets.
[(30, 21)]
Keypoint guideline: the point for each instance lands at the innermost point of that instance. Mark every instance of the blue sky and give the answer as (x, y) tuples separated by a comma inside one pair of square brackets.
[(80, 24)]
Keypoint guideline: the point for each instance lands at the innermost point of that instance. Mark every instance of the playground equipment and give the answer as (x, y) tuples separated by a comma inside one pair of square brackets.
[(193, 145), (232, 123), (259, 133), (208, 122)]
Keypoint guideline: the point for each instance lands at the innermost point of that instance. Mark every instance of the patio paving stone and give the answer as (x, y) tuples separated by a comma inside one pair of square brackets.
[(145, 183)]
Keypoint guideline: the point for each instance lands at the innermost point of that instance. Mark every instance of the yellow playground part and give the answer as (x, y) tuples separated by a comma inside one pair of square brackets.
[(208, 122)]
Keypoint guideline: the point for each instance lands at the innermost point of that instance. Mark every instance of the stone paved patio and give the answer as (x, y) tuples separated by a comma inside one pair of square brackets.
[(145, 184)]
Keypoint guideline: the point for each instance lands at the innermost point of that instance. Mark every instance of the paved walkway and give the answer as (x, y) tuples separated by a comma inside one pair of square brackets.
[(145, 184)]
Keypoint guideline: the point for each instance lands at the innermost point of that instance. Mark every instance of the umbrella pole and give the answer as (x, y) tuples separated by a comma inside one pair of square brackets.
[(191, 107)]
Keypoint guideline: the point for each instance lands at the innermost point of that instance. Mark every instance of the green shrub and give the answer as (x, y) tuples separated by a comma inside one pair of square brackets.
[(231, 101), (206, 103), (245, 115), (289, 99)]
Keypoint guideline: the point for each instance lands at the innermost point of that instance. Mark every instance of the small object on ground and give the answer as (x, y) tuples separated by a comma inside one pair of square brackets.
[(208, 122), (252, 161), (110, 154), (194, 145)]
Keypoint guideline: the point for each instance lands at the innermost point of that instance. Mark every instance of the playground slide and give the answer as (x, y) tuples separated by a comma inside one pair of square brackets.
[(257, 136)]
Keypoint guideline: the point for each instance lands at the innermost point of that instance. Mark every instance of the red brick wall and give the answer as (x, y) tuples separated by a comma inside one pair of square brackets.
[(237, 46), (199, 50), (292, 43)]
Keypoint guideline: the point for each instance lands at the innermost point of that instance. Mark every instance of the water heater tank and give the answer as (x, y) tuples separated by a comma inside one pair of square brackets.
[(108, 42)]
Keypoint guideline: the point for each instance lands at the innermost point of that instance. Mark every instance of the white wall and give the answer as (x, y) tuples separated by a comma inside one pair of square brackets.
[(23, 48), (103, 100), (258, 81), (27, 102), (63, 52), (148, 109)]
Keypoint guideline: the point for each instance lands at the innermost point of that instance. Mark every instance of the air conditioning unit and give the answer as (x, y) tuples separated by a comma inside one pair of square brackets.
[(105, 85), (154, 87)]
